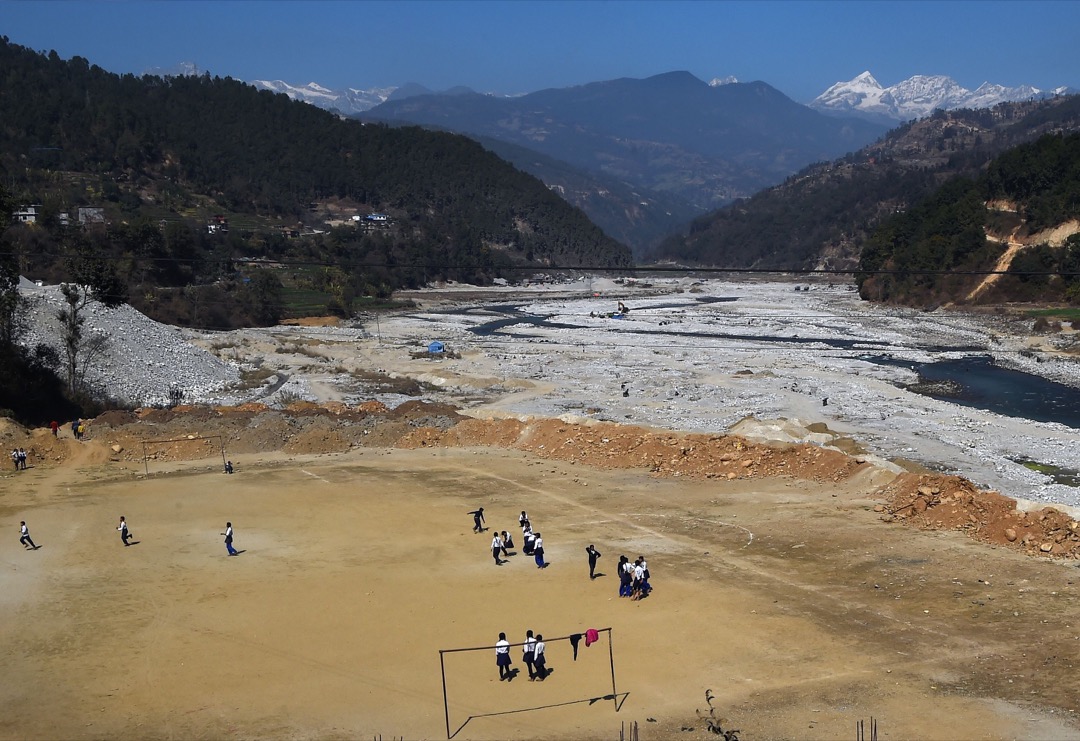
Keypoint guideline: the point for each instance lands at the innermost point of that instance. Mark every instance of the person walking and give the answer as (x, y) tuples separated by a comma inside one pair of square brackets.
[(538, 551), (55, 427), (502, 657), (25, 538), (478, 520), (123, 528), (540, 658), (528, 653), (593, 555), (229, 539), (496, 547), (15, 458), (22, 459)]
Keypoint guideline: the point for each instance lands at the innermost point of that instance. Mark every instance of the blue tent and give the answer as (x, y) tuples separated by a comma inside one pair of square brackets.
[(436, 346)]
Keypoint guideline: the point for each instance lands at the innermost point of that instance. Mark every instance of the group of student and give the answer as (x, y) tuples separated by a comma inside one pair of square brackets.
[(18, 457), (532, 544), (633, 575), (634, 578), (533, 655), (125, 536)]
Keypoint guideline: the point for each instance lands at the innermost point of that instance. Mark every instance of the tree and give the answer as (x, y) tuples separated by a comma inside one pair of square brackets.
[(79, 351)]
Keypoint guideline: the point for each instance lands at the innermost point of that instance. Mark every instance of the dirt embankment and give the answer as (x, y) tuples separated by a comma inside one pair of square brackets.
[(186, 433)]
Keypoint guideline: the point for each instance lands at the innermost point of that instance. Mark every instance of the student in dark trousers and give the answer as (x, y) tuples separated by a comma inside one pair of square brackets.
[(507, 543), (528, 654), (478, 520), (593, 555), (502, 657), (496, 547), (228, 538), (538, 552), (25, 538), (540, 658), (123, 528)]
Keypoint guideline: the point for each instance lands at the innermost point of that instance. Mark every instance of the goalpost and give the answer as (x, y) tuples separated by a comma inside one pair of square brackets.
[(186, 443), (613, 696)]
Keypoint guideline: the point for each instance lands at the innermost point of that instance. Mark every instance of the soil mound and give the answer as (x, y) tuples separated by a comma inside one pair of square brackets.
[(935, 502)]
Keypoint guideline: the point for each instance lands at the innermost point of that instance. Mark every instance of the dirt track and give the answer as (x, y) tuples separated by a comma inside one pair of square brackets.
[(780, 589)]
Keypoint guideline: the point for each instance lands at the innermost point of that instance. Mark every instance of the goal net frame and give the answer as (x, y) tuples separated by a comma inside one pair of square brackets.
[(146, 454), (614, 696)]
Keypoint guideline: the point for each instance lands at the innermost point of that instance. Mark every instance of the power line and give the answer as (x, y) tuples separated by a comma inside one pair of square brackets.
[(544, 269)]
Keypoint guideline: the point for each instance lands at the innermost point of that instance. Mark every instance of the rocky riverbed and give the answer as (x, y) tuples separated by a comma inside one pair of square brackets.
[(783, 361)]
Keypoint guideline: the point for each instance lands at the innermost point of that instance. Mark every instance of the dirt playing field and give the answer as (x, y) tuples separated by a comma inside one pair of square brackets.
[(786, 584)]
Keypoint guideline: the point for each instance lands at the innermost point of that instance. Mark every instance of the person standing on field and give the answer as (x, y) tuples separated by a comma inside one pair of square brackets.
[(593, 555), (528, 654), (540, 658), (502, 657), (538, 552), (496, 546), (229, 539), (123, 528)]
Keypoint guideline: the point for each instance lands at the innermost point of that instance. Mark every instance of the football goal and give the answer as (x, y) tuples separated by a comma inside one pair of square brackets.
[(192, 447), (576, 673)]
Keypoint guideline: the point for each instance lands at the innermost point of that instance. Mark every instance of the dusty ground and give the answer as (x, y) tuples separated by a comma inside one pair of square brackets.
[(789, 582)]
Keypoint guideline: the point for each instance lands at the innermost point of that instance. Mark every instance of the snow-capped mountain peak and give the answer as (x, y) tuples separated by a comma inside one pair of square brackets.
[(349, 101), (718, 81), (915, 97)]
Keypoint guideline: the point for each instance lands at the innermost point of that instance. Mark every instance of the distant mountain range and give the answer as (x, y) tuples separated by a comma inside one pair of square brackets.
[(918, 96), (862, 96), (670, 135), (642, 157)]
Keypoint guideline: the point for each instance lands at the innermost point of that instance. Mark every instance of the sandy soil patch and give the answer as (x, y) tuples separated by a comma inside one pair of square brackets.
[(785, 595)]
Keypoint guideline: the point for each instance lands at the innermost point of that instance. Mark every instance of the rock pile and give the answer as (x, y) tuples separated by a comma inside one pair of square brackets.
[(142, 359)]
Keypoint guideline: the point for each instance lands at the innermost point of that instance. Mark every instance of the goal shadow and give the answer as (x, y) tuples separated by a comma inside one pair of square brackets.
[(619, 699)]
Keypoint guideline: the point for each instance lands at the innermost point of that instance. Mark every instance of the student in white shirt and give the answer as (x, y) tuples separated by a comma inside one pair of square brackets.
[(528, 653), (496, 546), (540, 658), (538, 551), (502, 657), (25, 538), (228, 538), (528, 539), (123, 528)]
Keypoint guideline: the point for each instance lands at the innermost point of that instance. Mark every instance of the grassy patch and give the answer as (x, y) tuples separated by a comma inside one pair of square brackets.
[(1066, 313), (1060, 475), (253, 379)]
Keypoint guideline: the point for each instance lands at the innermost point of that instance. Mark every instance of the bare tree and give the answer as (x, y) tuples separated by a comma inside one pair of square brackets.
[(80, 351)]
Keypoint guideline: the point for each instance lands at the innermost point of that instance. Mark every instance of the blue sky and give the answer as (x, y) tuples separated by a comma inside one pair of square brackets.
[(520, 46)]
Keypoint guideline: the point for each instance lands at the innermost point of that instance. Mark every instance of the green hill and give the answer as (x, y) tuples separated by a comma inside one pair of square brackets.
[(933, 252), (163, 156), (822, 216)]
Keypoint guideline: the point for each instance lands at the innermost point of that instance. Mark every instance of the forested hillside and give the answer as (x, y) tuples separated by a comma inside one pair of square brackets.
[(932, 252), (162, 156), (822, 216)]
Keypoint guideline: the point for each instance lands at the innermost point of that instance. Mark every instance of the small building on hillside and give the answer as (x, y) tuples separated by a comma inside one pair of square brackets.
[(27, 214)]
